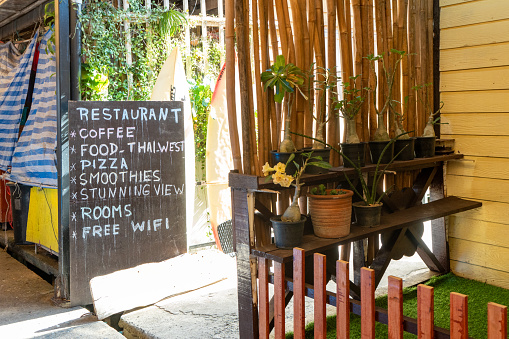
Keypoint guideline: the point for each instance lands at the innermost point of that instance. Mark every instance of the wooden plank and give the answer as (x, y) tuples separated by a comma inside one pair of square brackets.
[(474, 12), (479, 254), (478, 231), (483, 274), (425, 311), (474, 57), (299, 280), (497, 321), (475, 35), (475, 123), (343, 299), (459, 316), (263, 295), (320, 282), (367, 303), (496, 101), (312, 244), (495, 168), (113, 293), (279, 300), (474, 145), (481, 79), (395, 307), (480, 188), (490, 211)]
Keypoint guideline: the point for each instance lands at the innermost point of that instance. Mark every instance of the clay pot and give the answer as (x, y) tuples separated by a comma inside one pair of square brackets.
[(331, 214)]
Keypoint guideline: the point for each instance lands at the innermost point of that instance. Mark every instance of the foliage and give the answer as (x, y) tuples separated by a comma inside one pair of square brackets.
[(104, 52), (424, 99), (200, 95), (321, 190), (352, 101), (283, 78)]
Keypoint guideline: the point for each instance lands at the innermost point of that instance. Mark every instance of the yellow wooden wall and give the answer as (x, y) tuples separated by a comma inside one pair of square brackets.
[(474, 85)]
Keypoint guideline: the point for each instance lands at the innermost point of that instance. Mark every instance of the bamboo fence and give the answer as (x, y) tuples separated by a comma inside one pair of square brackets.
[(333, 34)]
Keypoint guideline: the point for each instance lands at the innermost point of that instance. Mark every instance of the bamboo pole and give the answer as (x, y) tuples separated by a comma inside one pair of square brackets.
[(380, 48), (364, 68), (307, 127), (357, 19), (371, 77), (299, 62), (308, 123), (290, 57), (411, 69), (429, 46), (264, 113), (320, 57), (230, 84), (345, 44), (332, 125), (403, 46), (424, 56), (285, 47), (261, 96), (274, 109)]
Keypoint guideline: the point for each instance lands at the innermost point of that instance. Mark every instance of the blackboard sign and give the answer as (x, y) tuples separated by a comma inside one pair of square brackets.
[(127, 194)]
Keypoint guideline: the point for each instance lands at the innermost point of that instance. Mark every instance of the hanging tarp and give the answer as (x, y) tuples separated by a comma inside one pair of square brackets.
[(9, 60), (34, 159), (12, 102)]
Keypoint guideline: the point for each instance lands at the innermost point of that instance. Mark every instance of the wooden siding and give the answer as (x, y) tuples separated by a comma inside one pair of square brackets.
[(474, 86)]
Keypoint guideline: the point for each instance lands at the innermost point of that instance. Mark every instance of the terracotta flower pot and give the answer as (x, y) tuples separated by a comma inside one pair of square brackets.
[(331, 214)]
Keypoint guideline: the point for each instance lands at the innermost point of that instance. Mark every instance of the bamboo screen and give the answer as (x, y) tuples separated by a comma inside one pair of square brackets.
[(333, 34)]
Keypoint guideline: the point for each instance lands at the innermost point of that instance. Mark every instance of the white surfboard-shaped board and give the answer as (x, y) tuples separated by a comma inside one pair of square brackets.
[(219, 160), (173, 76)]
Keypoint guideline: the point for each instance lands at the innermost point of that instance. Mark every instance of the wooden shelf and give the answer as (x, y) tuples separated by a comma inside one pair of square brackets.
[(433, 210)]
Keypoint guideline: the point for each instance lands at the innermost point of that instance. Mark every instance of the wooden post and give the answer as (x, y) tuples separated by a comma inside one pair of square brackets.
[(263, 288), (230, 84), (343, 300), (367, 303), (128, 56), (320, 283), (299, 269), (497, 321), (395, 307), (260, 21), (459, 316), (220, 14), (425, 312), (279, 300)]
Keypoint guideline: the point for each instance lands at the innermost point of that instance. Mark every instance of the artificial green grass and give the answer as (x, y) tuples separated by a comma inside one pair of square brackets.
[(479, 295)]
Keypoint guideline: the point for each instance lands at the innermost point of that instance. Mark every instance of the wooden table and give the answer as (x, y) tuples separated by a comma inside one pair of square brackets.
[(404, 213)]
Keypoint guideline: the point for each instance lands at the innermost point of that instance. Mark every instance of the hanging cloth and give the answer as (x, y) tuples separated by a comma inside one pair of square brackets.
[(34, 159), (10, 58), (12, 102)]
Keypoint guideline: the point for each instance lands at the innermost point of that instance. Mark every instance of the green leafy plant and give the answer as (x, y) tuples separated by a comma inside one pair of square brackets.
[(321, 190), (424, 99), (200, 95), (292, 213), (284, 79)]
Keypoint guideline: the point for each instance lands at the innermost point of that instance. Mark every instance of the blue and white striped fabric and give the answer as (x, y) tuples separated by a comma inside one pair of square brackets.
[(9, 60), (34, 159), (11, 106)]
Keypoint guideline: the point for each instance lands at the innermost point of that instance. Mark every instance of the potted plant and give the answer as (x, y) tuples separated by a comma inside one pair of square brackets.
[(425, 144), (325, 80), (289, 227), (348, 108), (404, 144), (284, 79), (381, 137), (330, 211)]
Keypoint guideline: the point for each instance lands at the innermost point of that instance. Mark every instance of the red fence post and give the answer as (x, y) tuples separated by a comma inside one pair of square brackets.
[(320, 296), (395, 307), (298, 293), (367, 303), (497, 321), (459, 316), (425, 312), (279, 300), (263, 288), (342, 300)]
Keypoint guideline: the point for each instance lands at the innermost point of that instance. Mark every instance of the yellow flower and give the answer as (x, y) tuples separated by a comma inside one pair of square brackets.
[(286, 180), (266, 169), (280, 167), (278, 177)]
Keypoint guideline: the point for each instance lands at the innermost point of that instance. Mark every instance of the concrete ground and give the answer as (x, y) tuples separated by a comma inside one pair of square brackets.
[(26, 309)]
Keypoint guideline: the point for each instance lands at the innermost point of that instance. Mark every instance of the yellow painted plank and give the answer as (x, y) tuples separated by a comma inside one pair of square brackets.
[(481, 79), (478, 188), (479, 231), (474, 253), (474, 12), (476, 101), (484, 167), (475, 57), (490, 211), (475, 123), (444, 3), (472, 145), (486, 275), (475, 35), (42, 221)]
